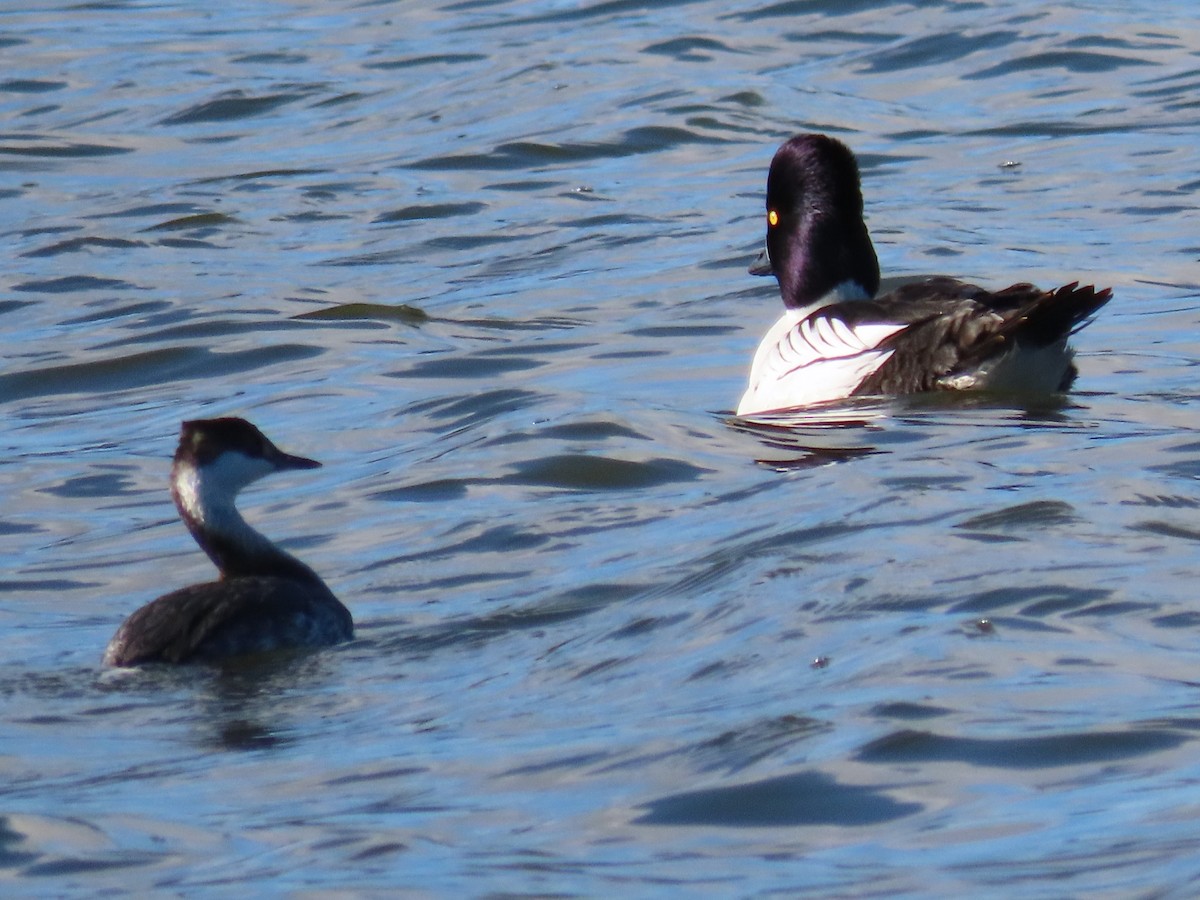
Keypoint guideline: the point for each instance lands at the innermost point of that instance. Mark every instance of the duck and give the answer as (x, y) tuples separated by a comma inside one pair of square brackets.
[(838, 338), (265, 599)]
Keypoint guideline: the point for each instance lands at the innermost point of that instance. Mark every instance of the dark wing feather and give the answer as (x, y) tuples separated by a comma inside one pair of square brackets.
[(955, 326), (227, 618)]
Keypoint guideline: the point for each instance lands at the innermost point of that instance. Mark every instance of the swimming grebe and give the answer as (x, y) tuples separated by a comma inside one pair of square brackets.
[(266, 599), (836, 339)]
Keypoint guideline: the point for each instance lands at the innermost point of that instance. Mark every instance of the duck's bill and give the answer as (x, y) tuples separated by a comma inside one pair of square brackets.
[(762, 265)]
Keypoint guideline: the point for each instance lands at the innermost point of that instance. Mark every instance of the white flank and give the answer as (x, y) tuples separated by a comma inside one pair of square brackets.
[(807, 359)]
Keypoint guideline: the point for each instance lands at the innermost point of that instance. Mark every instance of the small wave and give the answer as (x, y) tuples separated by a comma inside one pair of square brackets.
[(230, 107), (805, 798), (1048, 752)]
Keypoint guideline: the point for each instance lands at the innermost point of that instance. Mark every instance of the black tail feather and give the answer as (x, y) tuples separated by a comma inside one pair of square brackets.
[(1056, 315)]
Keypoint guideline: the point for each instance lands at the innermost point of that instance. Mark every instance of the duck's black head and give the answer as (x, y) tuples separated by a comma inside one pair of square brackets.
[(816, 238)]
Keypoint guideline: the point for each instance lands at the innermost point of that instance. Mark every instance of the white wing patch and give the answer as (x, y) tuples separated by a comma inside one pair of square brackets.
[(813, 359)]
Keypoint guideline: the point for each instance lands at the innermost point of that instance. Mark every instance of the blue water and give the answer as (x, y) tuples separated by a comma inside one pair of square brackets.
[(486, 261)]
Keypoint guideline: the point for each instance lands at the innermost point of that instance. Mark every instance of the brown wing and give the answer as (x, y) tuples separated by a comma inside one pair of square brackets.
[(954, 326), (227, 618)]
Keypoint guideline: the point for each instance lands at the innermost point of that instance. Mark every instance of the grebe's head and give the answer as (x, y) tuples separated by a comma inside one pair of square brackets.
[(224, 455)]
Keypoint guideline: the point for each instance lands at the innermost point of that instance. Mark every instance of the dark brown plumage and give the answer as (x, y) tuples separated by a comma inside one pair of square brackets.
[(266, 599)]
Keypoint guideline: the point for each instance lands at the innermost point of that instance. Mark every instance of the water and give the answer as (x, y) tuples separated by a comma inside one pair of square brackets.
[(487, 262)]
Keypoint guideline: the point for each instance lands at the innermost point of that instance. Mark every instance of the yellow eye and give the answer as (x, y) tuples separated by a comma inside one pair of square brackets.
[(772, 218)]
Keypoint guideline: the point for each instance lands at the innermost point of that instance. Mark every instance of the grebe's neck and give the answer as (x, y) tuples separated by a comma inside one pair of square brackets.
[(205, 500)]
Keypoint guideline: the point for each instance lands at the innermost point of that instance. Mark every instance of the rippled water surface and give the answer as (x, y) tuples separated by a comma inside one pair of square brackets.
[(486, 260)]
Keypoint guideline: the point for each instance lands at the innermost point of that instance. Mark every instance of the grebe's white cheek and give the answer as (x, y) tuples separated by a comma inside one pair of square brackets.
[(230, 472)]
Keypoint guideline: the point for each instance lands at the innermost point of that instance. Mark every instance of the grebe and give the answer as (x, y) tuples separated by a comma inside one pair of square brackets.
[(266, 599), (836, 339)]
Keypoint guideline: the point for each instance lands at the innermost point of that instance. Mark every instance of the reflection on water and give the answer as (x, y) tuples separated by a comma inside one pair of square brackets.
[(612, 638)]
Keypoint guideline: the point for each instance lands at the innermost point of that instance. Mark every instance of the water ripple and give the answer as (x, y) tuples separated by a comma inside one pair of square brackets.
[(1070, 60), (69, 284), (610, 638), (141, 369), (35, 146), (805, 798), (536, 156), (1028, 752), (232, 106)]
